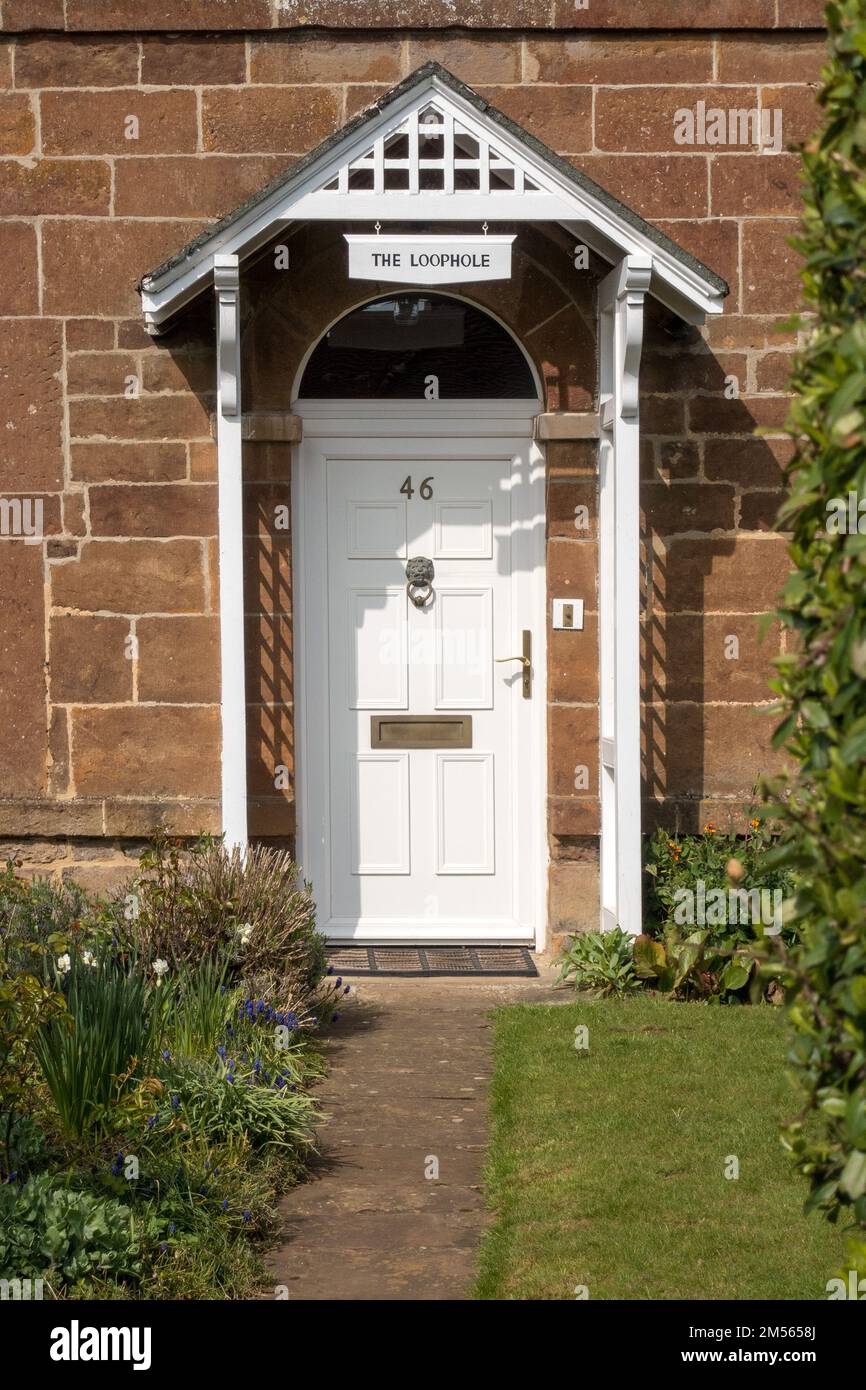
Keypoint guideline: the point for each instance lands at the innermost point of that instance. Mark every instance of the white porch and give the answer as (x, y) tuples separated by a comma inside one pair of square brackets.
[(485, 171)]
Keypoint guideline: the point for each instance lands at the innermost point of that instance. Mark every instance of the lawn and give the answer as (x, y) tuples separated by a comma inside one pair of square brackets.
[(607, 1167)]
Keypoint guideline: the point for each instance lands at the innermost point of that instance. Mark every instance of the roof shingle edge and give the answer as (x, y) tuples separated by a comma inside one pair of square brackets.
[(518, 132)]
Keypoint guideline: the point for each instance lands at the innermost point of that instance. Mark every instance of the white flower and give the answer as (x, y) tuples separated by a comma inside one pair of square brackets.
[(245, 932), (64, 964), (88, 958), (160, 968)]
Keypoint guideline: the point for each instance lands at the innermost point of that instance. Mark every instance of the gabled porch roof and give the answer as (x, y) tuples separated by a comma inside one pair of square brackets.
[(490, 169)]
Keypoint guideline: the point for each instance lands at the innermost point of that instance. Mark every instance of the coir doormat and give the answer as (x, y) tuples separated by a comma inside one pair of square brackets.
[(431, 960)]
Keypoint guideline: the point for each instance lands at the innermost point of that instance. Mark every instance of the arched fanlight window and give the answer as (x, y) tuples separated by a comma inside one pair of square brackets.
[(391, 348)]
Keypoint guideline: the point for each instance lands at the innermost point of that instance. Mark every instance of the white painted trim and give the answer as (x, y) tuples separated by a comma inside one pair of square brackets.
[(401, 420), (233, 709), (530, 542), (490, 412), (621, 305), (413, 418), (606, 631), (490, 934), (556, 200)]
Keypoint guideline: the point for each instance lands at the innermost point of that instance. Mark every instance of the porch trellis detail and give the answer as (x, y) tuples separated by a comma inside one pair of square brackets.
[(432, 151)]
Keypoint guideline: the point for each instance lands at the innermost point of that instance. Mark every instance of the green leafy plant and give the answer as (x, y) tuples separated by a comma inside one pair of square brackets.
[(231, 1069), (710, 899), (29, 1148), (688, 964), (739, 859), (600, 961), (194, 1006), (822, 678), (234, 1102), (204, 1083), (91, 1058), (35, 910), (27, 1005), (49, 1230)]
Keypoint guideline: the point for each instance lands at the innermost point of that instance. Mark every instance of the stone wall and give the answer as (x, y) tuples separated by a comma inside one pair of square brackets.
[(109, 630)]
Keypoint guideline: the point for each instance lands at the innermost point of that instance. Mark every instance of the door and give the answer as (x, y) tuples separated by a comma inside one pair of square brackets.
[(419, 779)]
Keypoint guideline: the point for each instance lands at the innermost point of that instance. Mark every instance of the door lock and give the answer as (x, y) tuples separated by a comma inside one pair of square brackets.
[(525, 661)]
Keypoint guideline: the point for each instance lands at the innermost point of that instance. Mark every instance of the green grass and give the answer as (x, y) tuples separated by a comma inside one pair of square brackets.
[(606, 1168)]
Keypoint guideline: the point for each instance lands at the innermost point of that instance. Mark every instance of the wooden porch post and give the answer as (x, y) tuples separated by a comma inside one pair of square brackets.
[(621, 305), (231, 553)]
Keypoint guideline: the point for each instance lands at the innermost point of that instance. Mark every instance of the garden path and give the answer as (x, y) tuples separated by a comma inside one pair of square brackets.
[(395, 1207)]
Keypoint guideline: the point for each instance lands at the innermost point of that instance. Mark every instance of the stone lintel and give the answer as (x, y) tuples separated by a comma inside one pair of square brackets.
[(567, 425)]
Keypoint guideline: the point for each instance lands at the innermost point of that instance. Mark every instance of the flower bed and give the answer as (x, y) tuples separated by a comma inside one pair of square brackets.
[(716, 904), (157, 1059)]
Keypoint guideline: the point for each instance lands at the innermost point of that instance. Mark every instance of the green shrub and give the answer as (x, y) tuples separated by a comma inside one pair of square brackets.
[(710, 900), (686, 963), (203, 1084), (250, 911), (235, 1102), (91, 1057), (822, 681), (48, 1230), (199, 1209), (600, 961), (29, 1148), (200, 1212), (681, 862), (27, 1004), (32, 911)]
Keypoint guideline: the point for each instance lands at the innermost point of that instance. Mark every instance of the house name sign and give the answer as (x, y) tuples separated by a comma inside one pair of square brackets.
[(429, 260)]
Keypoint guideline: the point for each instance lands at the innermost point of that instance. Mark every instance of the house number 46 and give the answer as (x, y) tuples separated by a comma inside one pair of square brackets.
[(425, 490)]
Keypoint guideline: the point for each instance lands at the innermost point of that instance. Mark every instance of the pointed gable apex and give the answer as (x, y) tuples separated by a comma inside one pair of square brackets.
[(477, 165)]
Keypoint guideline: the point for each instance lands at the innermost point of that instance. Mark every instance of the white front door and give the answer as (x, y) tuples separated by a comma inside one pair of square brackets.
[(420, 784)]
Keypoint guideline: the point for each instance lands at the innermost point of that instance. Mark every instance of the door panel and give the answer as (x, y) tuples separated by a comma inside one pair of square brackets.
[(416, 843), (463, 657), (466, 817), (376, 529), (375, 638), (380, 844), (463, 531)]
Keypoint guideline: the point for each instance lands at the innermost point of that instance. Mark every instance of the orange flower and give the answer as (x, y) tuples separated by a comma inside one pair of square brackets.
[(710, 828), (755, 824)]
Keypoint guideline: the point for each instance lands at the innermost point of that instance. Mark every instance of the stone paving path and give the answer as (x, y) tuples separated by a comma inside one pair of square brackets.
[(407, 1084)]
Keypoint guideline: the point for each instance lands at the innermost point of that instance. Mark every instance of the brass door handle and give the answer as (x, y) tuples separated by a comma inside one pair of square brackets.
[(525, 660)]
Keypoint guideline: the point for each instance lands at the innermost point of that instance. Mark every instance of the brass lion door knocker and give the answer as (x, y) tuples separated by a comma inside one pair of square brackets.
[(419, 576)]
